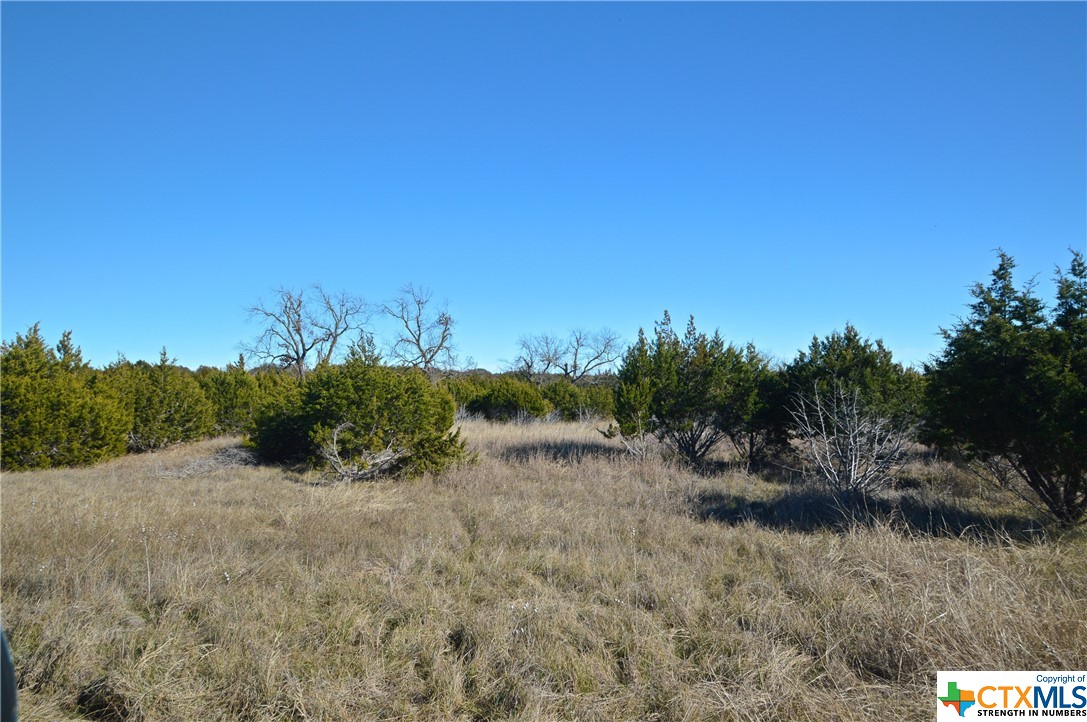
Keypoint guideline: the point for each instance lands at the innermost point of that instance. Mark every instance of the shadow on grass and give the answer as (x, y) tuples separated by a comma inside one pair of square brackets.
[(568, 451), (712, 468), (810, 509)]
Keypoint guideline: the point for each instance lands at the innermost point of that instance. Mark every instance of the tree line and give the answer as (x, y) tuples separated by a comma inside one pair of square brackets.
[(1008, 392)]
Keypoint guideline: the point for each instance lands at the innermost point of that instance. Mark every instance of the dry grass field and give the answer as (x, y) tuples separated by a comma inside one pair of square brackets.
[(555, 579)]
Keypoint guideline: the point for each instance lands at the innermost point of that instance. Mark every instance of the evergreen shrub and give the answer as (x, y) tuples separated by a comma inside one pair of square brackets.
[(359, 418), (56, 410)]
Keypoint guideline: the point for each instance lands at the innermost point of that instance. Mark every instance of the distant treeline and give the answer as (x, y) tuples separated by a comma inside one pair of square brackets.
[(1008, 391)]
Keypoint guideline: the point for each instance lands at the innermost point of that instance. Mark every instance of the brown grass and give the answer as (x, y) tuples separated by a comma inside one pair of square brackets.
[(555, 579)]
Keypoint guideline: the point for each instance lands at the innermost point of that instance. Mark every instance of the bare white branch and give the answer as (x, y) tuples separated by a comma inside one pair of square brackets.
[(360, 466), (853, 448)]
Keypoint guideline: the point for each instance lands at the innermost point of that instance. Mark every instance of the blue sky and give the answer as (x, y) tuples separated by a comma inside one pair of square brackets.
[(776, 169)]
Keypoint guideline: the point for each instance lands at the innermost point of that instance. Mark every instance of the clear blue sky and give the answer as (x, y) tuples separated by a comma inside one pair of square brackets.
[(776, 169)]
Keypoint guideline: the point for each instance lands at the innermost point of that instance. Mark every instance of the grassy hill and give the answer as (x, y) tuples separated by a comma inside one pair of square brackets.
[(554, 579)]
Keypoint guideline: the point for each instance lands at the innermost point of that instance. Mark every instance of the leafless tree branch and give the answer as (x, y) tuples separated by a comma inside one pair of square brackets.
[(299, 332), (589, 351), (853, 448), (583, 353), (425, 338), (540, 355), (360, 467)]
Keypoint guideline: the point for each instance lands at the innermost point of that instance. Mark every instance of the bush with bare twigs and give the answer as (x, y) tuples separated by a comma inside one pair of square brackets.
[(850, 446)]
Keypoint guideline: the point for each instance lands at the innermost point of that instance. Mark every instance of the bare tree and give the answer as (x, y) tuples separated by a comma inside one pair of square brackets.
[(854, 449), (589, 351), (303, 331), (540, 354), (425, 339), (575, 357)]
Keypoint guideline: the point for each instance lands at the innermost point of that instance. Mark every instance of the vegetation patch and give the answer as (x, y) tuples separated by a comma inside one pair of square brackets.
[(531, 585)]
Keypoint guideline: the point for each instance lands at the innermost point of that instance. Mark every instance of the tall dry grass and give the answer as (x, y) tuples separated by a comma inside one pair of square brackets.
[(554, 579)]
